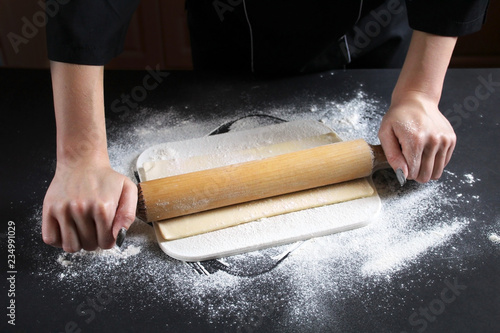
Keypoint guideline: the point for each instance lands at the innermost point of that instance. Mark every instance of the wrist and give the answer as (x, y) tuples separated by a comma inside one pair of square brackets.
[(82, 155), (414, 96)]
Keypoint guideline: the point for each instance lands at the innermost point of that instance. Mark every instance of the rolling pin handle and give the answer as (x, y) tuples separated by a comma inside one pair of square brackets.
[(379, 159), (380, 162)]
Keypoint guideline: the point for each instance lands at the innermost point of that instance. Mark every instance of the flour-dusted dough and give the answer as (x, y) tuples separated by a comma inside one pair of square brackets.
[(177, 162), (220, 218), (212, 152), (179, 157)]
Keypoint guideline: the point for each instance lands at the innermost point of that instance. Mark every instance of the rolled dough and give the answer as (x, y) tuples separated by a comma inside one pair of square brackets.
[(220, 218), (237, 149)]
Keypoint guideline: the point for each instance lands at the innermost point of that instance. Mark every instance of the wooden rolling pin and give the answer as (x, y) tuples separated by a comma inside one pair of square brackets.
[(224, 186)]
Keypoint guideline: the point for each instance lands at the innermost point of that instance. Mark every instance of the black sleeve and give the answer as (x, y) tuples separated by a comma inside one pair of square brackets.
[(89, 32), (447, 17)]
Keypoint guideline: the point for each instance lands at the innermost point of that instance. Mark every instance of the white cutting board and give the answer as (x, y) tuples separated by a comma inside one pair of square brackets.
[(268, 232)]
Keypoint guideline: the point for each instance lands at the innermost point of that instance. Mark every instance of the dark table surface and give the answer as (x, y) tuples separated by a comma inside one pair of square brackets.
[(452, 287)]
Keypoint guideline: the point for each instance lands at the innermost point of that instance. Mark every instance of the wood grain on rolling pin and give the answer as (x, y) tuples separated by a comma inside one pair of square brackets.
[(224, 186)]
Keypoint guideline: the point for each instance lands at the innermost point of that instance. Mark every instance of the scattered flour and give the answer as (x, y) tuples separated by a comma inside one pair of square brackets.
[(399, 252), (494, 238), (413, 228), (66, 259), (470, 179), (353, 119)]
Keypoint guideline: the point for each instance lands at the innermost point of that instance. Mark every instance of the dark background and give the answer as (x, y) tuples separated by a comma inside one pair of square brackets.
[(158, 34)]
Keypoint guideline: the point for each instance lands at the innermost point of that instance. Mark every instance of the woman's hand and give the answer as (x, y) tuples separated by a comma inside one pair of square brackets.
[(87, 202), (86, 205), (417, 138)]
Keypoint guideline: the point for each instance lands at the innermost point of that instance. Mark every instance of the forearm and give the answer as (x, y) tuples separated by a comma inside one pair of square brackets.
[(87, 202), (425, 67), (79, 109)]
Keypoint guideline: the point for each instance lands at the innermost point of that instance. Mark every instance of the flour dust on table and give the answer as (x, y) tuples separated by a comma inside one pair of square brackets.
[(411, 230), (494, 238)]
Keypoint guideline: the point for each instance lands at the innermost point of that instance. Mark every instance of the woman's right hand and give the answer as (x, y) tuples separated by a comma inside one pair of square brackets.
[(86, 205)]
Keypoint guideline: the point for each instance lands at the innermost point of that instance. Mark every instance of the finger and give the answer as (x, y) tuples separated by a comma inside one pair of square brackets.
[(103, 215), (427, 164), (439, 164), (445, 157), (412, 152), (125, 213), (449, 153), (69, 234), (51, 234), (87, 234), (393, 152)]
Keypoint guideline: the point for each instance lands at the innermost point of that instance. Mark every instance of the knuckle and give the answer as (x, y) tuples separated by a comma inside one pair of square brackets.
[(451, 139), (419, 140), (419, 180), (101, 209), (107, 244), (70, 248), (391, 157), (435, 140), (437, 174), (436, 177), (445, 142), (78, 206), (127, 217), (133, 187), (383, 131), (57, 209), (424, 177), (50, 240)]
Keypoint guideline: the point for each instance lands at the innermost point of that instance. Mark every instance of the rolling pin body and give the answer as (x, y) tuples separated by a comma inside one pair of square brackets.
[(224, 186)]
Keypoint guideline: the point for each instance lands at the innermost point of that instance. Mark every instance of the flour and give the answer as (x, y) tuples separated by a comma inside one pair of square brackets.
[(494, 238), (409, 247), (412, 229), (470, 179), (115, 253), (396, 238), (353, 119)]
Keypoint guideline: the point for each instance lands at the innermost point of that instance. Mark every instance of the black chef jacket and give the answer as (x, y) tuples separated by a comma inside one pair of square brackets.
[(280, 36)]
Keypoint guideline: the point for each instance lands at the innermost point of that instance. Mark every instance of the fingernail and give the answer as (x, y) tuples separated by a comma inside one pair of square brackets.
[(401, 176), (121, 237)]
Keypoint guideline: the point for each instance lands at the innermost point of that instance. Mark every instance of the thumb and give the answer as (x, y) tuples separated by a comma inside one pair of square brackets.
[(394, 154), (125, 212)]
